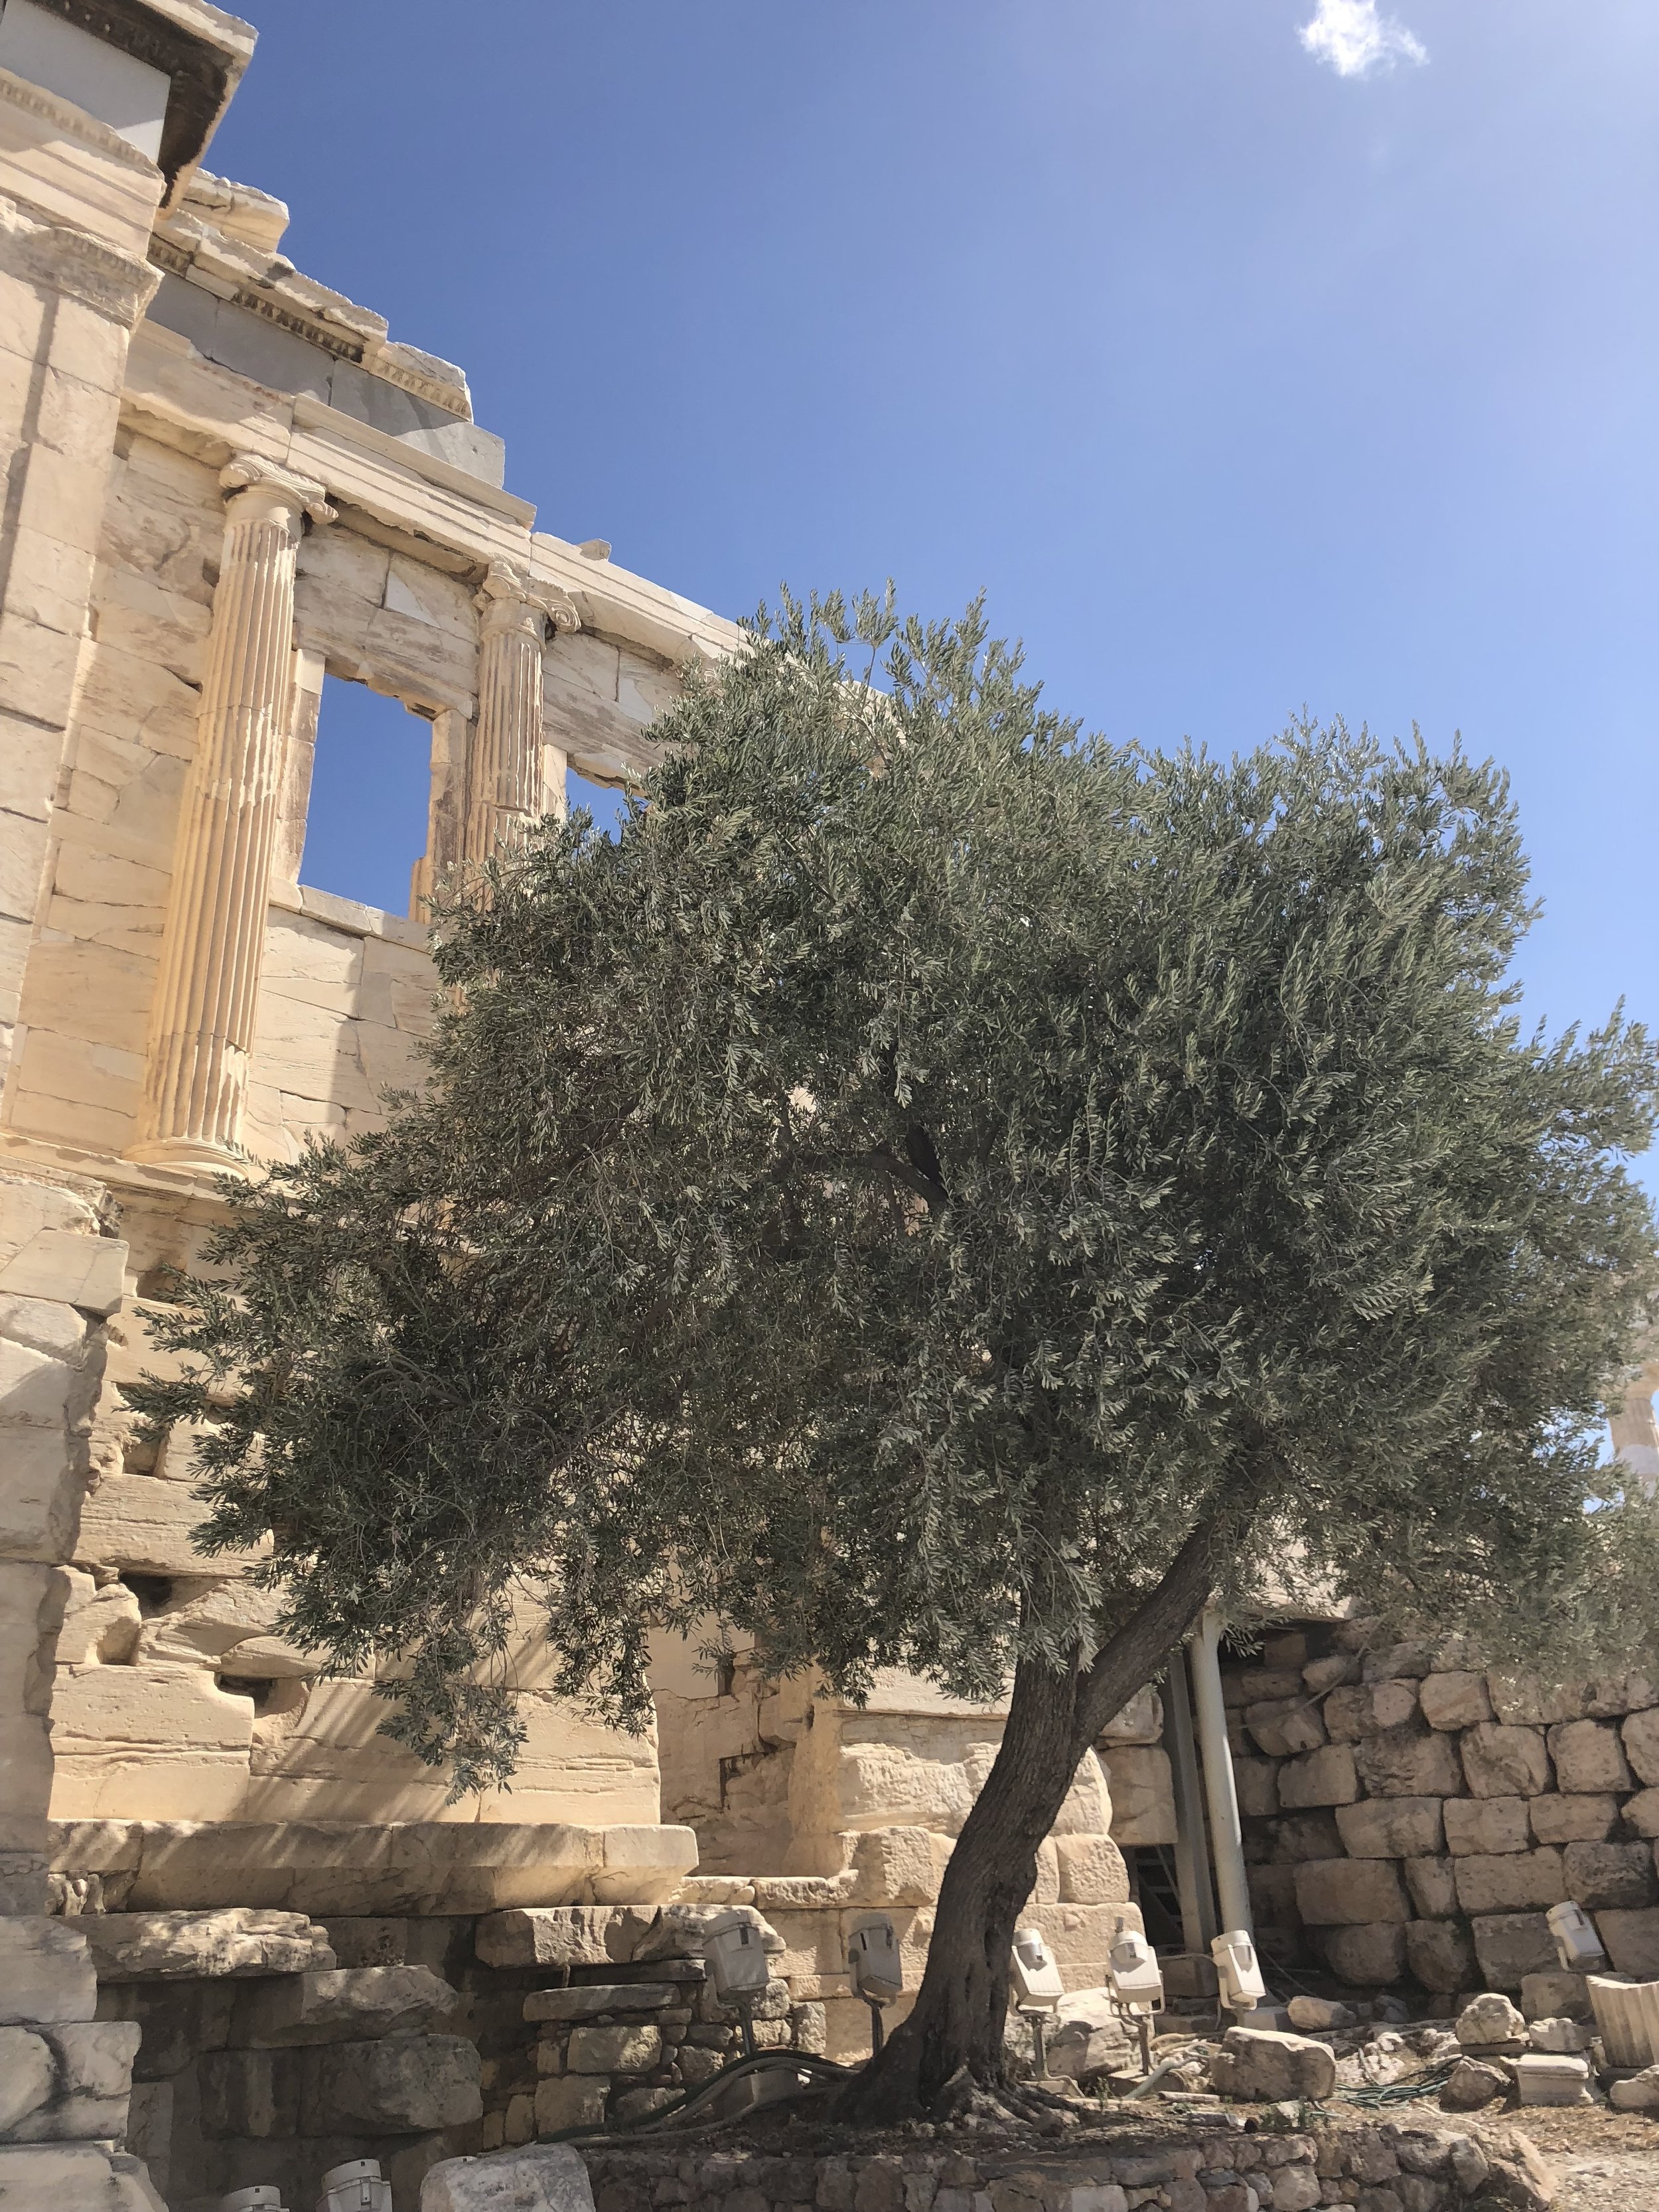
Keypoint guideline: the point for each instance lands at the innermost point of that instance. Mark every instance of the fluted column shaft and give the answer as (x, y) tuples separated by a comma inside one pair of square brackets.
[(504, 783), (202, 1019)]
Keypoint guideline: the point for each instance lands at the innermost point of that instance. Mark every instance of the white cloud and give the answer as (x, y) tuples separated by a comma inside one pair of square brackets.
[(1354, 40)]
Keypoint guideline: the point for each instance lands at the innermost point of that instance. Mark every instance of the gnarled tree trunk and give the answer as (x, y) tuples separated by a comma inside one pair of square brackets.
[(1052, 1719)]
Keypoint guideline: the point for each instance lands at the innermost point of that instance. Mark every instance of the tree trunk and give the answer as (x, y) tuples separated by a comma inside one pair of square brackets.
[(962, 2006)]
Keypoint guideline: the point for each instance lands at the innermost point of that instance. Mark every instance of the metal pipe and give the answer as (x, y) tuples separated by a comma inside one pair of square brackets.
[(1226, 1836), (1198, 1924)]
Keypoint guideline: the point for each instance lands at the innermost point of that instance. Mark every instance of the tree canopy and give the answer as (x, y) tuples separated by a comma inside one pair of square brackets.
[(925, 1166)]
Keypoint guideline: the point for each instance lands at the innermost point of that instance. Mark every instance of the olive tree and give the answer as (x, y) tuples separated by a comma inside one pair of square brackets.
[(939, 1191)]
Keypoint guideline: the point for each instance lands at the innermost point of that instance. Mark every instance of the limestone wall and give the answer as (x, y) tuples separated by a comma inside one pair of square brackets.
[(1408, 1817)]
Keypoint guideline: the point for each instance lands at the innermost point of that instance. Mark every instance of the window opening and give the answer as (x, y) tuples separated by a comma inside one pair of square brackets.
[(370, 791), (607, 807)]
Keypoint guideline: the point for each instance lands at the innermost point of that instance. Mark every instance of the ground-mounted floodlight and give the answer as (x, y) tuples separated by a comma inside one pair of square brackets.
[(1577, 1946), (356, 2186), (1238, 1970), (1038, 1989), (735, 1952), (263, 2197), (1137, 1983), (875, 1968)]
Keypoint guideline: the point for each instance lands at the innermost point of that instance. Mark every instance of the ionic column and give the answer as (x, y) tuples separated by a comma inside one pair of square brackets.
[(201, 1031), (504, 782)]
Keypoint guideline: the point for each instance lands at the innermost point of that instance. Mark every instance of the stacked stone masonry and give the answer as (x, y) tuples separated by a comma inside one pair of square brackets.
[(1221, 2166), (1410, 1819)]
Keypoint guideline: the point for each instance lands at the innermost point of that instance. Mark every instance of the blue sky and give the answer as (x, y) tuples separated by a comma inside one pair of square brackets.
[(1236, 382)]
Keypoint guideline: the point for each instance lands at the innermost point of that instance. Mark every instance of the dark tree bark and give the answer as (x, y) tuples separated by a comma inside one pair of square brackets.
[(1052, 1719)]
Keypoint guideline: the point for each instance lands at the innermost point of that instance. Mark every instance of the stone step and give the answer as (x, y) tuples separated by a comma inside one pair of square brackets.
[(597, 1997)]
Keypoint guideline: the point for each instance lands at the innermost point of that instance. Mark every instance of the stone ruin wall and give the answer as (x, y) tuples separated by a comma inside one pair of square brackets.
[(1410, 1819)]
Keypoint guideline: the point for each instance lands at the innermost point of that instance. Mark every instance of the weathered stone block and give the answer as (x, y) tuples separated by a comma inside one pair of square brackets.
[(349, 2005), (1558, 1820), (1412, 1761), (1472, 2086), (1489, 2022), (1510, 1946), (1349, 1893), (94, 2057), (1632, 1942), (1611, 1874), (1257, 1783), (1284, 1726), (1640, 1734), (1554, 1996), (73, 2177), (539, 2178), (1501, 1761), (569, 2101), (1588, 1756), (1433, 1885), (404, 2085), (1391, 1828), (1513, 1883), (130, 1946), (1641, 1812), (1366, 1956), (28, 2076), (254, 2094), (1091, 1871), (546, 1935), (627, 2047), (1454, 1701), (893, 1866), (1486, 1826), (1322, 1674), (1388, 1662), (1440, 1955), (45, 1972), (1300, 1836), (1143, 1797), (1262, 2064), (1370, 1708), (1326, 1777)]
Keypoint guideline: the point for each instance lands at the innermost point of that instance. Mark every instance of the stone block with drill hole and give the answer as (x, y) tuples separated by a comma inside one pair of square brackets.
[(1433, 1887), (1618, 1876), (1510, 1946), (1558, 1820), (1370, 1708), (1412, 1761), (537, 2177), (1486, 1828), (1319, 1777), (1556, 1996), (1392, 1827), (1453, 1702), (1366, 1957), (1589, 1757), (1505, 1762), (349, 2005), (1281, 1727), (1516, 1881), (1440, 1955), (1266, 2065), (47, 1971), (402, 2086), (1349, 1893)]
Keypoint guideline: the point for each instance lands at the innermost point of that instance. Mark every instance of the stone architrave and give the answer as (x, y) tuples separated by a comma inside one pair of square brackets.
[(201, 1018), (504, 785)]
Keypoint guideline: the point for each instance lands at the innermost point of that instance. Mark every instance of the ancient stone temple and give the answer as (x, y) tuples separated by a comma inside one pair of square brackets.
[(226, 484), (241, 1933)]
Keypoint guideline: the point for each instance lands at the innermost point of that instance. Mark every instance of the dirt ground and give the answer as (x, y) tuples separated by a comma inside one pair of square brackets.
[(1607, 2161)]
